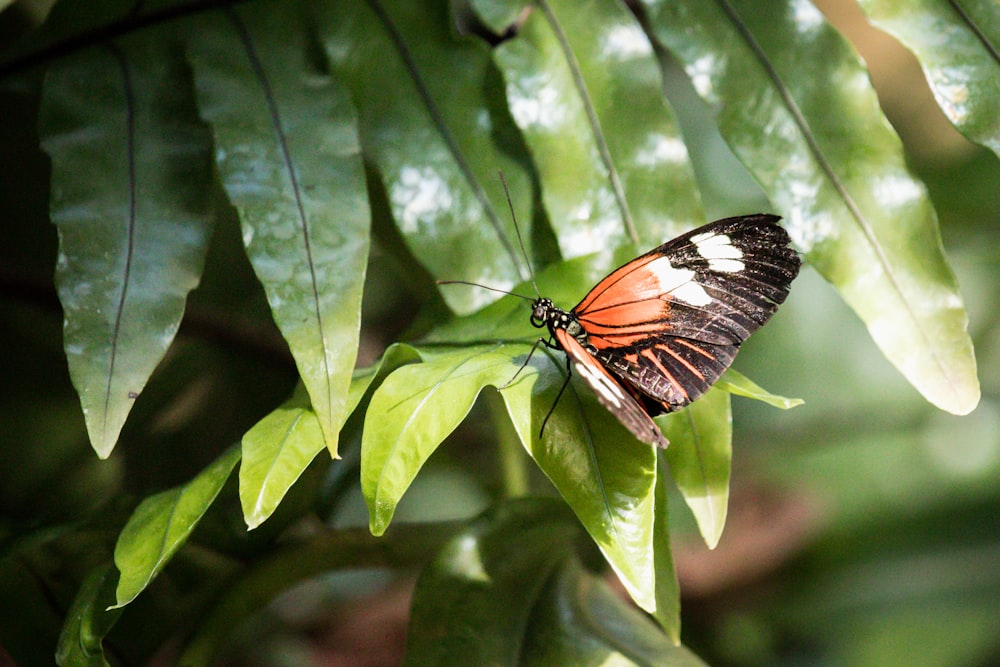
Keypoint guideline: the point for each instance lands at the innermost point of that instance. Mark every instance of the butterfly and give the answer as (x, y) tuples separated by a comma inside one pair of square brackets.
[(656, 333)]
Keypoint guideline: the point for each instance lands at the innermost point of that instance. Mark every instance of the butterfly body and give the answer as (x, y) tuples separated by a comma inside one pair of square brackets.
[(656, 333)]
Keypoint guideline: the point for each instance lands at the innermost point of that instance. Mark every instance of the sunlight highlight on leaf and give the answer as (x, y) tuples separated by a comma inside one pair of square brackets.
[(435, 138), (958, 46), (413, 411), (585, 89)]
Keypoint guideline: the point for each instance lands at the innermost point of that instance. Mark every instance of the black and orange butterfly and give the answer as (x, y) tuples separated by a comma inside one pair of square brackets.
[(656, 333)]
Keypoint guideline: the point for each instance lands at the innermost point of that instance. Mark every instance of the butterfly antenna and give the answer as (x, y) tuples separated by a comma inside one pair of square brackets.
[(517, 230), (492, 289)]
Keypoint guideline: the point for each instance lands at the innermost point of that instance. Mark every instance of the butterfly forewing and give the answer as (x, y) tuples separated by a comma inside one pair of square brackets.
[(717, 284), (669, 323)]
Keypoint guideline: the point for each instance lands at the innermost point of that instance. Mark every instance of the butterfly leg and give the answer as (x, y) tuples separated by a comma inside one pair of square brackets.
[(569, 375), (540, 341)]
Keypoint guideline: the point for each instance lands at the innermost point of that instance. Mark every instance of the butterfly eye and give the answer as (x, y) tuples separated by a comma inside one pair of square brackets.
[(540, 312)]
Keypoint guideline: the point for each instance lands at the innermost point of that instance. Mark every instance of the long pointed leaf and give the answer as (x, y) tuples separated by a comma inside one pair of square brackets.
[(958, 45), (131, 164), (413, 411), (161, 524), (279, 448), (795, 103), (88, 621), (426, 101), (290, 161), (736, 383), (700, 456), (276, 451), (584, 87), (602, 471)]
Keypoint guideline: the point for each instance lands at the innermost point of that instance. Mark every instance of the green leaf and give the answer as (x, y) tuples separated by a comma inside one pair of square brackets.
[(736, 383), (581, 621), (88, 621), (279, 448), (795, 103), (130, 199), (396, 355), (957, 45), (605, 475), (437, 137), (475, 602), (161, 524), (275, 453), (700, 455), (668, 589), (585, 88), (413, 411), (288, 154)]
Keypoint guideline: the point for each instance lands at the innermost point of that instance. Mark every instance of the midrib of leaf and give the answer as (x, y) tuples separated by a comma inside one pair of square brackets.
[(258, 503), (827, 168), (129, 94), (975, 29), (696, 441), (437, 118), (595, 124), (272, 108), (165, 539), (592, 453)]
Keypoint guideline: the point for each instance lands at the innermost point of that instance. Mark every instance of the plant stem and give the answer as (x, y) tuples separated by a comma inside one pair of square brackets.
[(354, 548), (513, 471)]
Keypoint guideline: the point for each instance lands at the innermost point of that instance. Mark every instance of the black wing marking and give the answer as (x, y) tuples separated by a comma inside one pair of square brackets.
[(671, 371)]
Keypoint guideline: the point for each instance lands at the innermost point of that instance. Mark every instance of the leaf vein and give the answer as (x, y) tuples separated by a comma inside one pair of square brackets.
[(862, 222), (593, 120), (286, 154), (446, 134)]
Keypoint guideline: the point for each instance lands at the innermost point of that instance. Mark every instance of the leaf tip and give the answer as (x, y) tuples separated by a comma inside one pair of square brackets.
[(960, 403)]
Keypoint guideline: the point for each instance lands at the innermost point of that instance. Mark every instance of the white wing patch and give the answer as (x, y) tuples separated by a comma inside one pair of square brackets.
[(720, 252), (601, 383), (678, 283)]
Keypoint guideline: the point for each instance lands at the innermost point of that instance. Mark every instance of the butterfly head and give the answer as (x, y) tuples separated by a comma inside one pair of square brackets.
[(541, 311)]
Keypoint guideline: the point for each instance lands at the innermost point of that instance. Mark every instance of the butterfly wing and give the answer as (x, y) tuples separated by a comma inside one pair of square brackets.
[(610, 392), (670, 371), (669, 322)]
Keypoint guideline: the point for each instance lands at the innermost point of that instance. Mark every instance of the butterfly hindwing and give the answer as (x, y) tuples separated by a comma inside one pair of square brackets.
[(610, 392), (671, 371)]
